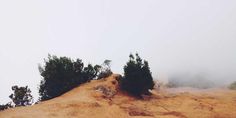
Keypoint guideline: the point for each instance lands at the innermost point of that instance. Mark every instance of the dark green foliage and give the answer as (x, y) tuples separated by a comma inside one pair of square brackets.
[(104, 70), (137, 77), (104, 74), (61, 74), (89, 73), (233, 86), (5, 106), (21, 96)]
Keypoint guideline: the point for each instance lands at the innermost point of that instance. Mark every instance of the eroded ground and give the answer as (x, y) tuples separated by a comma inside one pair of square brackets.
[(102, 99)]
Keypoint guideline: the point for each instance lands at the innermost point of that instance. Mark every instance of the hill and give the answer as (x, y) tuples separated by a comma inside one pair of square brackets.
[(103, 99)]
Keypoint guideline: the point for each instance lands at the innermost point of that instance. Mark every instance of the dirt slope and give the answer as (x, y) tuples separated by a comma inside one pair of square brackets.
[(102, 99)]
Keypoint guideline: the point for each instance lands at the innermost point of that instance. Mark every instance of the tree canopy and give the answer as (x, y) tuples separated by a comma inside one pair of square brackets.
[(21, 96), (137, 78), (61, 74), (104, 70)]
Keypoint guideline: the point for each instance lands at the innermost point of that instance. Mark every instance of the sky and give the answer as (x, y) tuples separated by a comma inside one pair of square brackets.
[(184, 36)]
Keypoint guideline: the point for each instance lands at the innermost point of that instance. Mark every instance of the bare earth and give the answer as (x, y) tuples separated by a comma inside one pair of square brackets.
[(102, 99)]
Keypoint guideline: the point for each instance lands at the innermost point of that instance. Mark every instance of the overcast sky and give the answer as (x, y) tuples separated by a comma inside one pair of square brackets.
[(175, 36)]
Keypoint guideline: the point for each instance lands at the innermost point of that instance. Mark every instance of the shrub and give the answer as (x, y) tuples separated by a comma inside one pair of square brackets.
[(233, 86), (21, 96), (137, 77), (5, 106), (61, 74)]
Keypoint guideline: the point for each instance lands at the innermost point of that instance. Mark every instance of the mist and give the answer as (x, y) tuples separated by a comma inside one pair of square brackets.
[(179, 39)]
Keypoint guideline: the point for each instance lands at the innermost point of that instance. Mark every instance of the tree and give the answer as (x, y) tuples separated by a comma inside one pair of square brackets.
[(21, 96), (137, 78), (89, 73), (61, 74), (107, 64), (104, 70)]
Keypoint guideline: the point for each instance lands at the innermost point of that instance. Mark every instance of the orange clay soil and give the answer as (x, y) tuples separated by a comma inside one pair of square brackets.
[(103, 99)]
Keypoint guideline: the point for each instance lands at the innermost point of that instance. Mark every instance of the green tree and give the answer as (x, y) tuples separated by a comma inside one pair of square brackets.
[(89, 73), (21, 96), (104, 70), (137, 78), (61, 74)]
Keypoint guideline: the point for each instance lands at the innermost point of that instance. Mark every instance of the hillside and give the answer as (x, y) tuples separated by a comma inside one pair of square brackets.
[(103, 99)]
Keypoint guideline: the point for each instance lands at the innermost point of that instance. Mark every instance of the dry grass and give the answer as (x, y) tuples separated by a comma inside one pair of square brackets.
[(102, 99)]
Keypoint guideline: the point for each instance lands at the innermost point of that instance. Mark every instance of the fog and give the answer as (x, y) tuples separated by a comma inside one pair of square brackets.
[(180, 39)]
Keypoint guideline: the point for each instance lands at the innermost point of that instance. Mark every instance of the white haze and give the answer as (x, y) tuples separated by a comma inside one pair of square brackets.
[(175, 36)]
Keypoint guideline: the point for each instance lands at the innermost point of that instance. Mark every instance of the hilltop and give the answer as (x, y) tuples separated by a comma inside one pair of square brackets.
[(103, 99)]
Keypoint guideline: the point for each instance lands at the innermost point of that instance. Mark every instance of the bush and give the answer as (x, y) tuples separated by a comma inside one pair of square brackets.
[(21, 96), (5, 106), (61, 74), (137, 77), (233, 86)]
